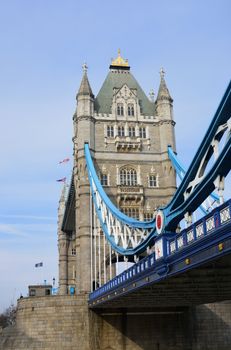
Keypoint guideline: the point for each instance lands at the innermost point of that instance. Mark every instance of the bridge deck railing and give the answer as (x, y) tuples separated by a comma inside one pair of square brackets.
[(203, 227), (167, 245)]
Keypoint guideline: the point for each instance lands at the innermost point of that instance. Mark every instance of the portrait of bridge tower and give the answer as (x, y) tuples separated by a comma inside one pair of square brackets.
[(128, 134)]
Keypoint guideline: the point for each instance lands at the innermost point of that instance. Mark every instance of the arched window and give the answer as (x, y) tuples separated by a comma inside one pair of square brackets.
[(131, 110), (120, 109), (121, 132), (153, 181), (128, 177), (131, 131)]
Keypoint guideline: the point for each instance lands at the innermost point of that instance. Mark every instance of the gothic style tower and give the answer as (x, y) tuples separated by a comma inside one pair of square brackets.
[(128, 135)]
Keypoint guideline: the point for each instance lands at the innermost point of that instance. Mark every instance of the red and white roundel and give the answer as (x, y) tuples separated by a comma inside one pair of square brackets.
[(159, 221)]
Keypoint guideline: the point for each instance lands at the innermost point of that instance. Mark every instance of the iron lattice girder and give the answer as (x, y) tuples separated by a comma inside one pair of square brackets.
[(196, 186)]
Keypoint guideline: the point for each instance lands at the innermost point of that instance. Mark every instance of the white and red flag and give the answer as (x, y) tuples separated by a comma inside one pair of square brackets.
[(64, 160)]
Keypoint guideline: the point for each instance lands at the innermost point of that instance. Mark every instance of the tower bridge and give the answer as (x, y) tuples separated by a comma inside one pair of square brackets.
[(135, 265)]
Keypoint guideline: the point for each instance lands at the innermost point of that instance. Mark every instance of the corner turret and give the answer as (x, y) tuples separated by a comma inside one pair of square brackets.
[(84, 115), (163, 93), (164, 112), (85, 88)]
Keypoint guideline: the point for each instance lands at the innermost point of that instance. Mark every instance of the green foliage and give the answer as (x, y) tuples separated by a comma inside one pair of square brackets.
[(8, 317)]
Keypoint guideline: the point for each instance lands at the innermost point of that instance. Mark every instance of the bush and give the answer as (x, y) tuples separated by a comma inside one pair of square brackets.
[(8, 317)]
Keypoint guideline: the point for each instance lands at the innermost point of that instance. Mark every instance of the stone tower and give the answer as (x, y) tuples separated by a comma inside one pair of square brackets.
[(128, 135)]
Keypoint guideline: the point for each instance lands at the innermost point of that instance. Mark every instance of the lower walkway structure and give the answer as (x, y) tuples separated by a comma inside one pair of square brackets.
[(137, 270), (195, 269)]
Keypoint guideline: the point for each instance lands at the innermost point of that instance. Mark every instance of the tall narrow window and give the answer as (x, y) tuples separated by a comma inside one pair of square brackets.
[(142, 132), (128, 177), (153, 181), (121, 132), (73, 251), (110, 131), (104, 179), (131, 131), (120, 109), (131, 110)]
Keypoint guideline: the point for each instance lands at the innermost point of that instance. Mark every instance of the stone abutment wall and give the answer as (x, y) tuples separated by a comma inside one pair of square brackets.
[(65, 322)]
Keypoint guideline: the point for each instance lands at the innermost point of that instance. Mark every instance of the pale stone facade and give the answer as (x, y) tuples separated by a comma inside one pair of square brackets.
[(128, 135)]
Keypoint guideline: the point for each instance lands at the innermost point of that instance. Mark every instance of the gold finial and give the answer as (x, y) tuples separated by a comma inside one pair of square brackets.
[(119, 61)]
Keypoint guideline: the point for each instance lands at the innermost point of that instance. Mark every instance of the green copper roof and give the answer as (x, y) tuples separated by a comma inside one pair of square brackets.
[(116, 78)]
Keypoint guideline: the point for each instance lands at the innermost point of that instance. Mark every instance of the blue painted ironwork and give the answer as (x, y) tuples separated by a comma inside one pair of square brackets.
[(179, 205), (176, 249), (180, 170)]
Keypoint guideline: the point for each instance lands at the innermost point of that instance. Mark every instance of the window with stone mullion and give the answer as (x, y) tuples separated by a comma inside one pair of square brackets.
[(131, 131), (120, 109), (148, 216), (110, 131), (131, 212), (131, 110), (104, 179), (142, 131), (152, 181), (128, 177), (121, 132)]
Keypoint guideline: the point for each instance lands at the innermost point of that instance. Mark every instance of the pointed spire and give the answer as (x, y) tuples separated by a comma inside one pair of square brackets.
[(63, 198), (64, 193), (85, 88), (163, 93), (62, 203)]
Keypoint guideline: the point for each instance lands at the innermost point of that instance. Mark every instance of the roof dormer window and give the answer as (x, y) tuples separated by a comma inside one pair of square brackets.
[(120, 109), (131, 111)]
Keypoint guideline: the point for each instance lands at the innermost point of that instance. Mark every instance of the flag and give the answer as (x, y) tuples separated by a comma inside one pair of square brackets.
[(39, 264), (64, 160), (62, 180)]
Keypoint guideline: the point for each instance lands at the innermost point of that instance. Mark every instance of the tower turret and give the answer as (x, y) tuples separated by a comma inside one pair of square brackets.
[(163, 93), (84, 131), (83, 118), (164, 112)]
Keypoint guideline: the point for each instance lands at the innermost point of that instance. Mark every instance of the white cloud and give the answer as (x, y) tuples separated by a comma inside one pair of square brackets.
[(9, 229)]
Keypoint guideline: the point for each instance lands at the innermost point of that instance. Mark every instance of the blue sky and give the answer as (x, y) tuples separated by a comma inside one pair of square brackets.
[(43, 46)]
